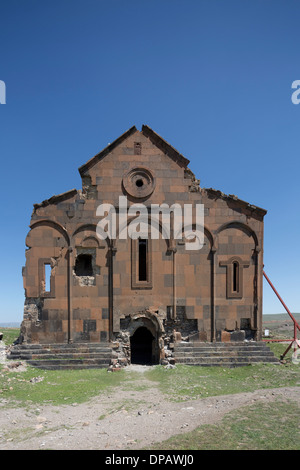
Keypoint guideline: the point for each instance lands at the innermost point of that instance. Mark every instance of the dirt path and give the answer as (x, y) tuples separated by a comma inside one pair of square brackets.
[(119, 420)]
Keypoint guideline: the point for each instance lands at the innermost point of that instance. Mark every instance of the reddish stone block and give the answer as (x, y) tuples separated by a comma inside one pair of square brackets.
[(213, 287)]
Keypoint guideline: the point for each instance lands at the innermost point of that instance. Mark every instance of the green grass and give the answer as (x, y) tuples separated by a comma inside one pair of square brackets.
[(56, 387), (262, 426), (267, 426), (192, 382), (280, 348), (181, 383), (10, 335)]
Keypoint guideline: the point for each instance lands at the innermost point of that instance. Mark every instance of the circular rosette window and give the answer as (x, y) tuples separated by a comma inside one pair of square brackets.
[(139, 183)]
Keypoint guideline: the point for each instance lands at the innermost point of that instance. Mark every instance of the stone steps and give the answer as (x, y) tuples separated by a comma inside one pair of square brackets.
[(63, 356), (223, 354)]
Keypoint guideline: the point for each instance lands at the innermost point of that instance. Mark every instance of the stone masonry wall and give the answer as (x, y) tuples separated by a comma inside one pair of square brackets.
[(210, 294)]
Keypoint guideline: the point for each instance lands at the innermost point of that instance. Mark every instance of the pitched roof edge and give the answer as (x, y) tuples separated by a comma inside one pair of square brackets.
[(165, 146), (83, 168), (231, 197), (56, 198)]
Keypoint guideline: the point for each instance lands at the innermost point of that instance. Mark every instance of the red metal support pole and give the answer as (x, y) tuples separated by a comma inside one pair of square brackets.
[(293, 318), (296, 325)]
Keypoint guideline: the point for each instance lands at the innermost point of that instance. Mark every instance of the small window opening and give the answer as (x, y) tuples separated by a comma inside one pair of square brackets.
[(235, 273), (139, 183), (137, 148), (47, 277), (83, 265), (142, 260)]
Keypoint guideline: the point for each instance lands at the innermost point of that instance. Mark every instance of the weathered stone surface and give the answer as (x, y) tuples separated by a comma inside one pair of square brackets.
[(97, 292)]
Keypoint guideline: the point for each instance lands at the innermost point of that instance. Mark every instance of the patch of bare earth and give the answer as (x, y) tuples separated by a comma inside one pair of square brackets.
[(119, 420)]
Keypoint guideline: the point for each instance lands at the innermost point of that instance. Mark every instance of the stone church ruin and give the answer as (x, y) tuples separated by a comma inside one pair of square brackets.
[(93, 303)]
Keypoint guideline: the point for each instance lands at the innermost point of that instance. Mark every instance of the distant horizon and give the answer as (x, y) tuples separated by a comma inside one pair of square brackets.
[(13, 324)]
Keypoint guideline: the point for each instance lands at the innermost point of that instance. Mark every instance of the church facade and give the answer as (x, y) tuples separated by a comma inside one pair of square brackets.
[(142, 292)]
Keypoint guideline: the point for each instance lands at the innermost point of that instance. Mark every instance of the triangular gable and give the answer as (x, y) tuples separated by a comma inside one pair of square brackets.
[(165, 146), (89, 164), (158, 141)]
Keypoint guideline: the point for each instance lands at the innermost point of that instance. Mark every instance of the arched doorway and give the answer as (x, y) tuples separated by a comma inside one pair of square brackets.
[(141, 344)]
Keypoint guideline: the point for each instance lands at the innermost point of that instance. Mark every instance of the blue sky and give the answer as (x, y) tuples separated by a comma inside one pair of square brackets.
[(212, 77)]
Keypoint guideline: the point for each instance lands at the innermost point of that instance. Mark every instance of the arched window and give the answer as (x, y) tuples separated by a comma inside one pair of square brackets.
[(234, 276)]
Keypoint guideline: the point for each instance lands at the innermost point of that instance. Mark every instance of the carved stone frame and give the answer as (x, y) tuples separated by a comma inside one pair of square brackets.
[(230, 293)]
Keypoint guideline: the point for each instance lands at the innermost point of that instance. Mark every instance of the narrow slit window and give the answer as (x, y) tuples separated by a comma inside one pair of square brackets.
[(47, 277), (235, 275), (141, 263), (142, 276)]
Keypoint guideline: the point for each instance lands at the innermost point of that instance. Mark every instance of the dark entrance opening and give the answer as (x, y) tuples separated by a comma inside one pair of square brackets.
[(141, 347)]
